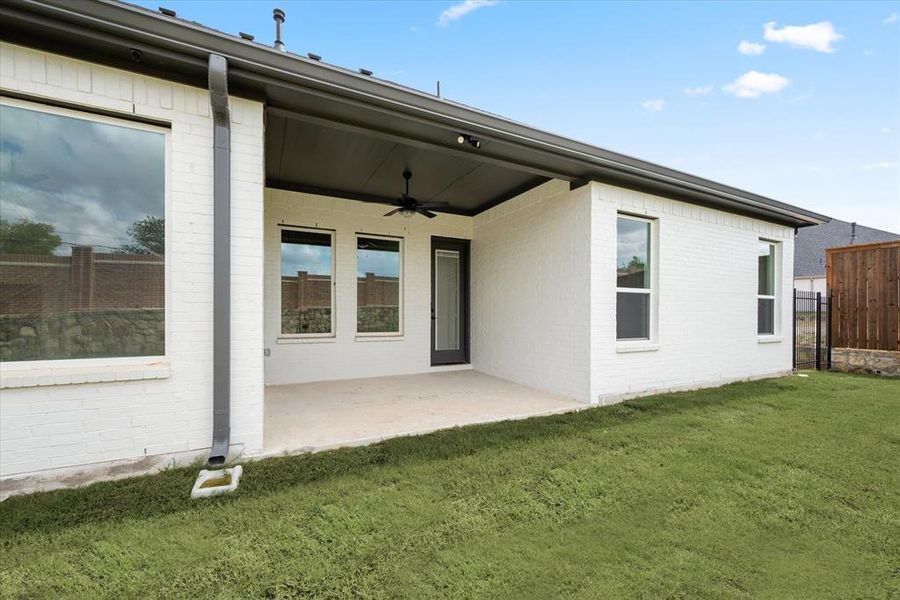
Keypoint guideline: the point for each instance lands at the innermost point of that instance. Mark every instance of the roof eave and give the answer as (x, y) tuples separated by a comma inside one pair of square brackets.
[(188, 44)]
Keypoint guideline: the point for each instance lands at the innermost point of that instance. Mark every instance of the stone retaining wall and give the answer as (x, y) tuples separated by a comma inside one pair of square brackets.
[(308, 320), (370, 319), (856, 360), (83, 334), (377, 319)]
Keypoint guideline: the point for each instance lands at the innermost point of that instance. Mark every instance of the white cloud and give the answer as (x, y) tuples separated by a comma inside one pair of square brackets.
[(869, 52), (880, 165), (891, 19), (654, 105), (753, 84), (818, 36), (700, 90), (461, 9), (751, 48)]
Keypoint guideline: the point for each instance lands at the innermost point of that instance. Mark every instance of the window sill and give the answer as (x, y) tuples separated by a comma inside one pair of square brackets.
[(307, 340), (380, 338), (769, 339), (23, 377), (627, 347)]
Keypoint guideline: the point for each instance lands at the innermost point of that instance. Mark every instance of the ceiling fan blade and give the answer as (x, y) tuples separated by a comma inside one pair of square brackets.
[(436, 204), (426, 213), (393, 212)]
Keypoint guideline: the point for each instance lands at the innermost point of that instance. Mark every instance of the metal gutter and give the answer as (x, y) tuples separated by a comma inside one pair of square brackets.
[(262, 66), (218, 99)]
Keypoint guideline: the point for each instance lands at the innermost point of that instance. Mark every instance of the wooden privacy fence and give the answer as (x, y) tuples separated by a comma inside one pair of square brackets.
[(864, 284)]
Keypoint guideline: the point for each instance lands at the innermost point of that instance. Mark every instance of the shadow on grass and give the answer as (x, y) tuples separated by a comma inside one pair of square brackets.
[(168, 492)]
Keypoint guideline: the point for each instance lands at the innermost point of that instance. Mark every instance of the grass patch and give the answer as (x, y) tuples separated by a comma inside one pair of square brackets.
[(777, 488)]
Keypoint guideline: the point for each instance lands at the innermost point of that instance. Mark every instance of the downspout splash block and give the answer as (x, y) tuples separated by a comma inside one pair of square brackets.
[(216, 482)]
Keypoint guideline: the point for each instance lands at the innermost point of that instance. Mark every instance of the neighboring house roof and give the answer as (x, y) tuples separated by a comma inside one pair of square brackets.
[(310, 91), (811, 242)]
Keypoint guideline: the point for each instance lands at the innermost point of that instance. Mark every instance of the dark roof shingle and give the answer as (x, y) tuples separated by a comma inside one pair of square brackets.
[(811, 242)]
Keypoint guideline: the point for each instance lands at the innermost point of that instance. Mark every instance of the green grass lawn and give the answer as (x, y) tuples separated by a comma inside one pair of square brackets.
[(786, 488)]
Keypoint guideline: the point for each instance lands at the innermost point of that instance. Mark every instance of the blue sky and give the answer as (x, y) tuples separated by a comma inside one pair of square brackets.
[(808, 113)]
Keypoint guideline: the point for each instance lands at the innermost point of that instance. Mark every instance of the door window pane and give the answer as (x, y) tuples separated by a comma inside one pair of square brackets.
[(306, 274), (446, 300), (378, 285), (632, 253), (82, 237), (766, 270), (632, 316)]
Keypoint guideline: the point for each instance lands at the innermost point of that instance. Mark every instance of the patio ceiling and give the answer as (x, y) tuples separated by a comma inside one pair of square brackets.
[(315, 155)]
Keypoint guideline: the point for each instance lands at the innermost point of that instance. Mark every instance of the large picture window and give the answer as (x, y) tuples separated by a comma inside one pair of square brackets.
[(379, 287), (765, 292), (633, 278), (307, 269), (82, 235)]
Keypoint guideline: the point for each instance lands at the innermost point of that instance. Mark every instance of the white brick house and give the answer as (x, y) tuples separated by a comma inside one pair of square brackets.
[(523, 276)]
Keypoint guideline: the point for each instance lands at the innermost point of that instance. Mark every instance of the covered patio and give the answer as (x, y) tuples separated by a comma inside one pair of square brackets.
[(308, 417)]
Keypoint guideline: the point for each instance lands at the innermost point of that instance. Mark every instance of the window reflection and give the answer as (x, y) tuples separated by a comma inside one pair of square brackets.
[(82, 237), (306, 265), (378, 285)]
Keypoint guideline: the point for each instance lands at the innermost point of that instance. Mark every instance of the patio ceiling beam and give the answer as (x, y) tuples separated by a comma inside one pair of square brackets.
[(400, 138), (346, 195)]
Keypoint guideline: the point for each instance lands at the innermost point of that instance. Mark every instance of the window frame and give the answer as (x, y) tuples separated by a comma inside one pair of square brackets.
[(774, 297), (650, 292), (307, 336), (98, 115), (368, 335)]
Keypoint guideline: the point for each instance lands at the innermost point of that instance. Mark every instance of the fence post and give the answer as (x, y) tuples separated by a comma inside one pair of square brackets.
[(828, 334), (81, 277), (818, 331), (794, 331)]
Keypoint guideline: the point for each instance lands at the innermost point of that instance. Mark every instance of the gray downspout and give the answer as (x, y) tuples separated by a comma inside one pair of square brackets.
[(218, 98)]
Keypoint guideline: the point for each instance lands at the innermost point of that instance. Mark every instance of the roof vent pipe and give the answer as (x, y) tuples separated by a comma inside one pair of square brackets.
[(852, 233), (218, 99), (278, 15)]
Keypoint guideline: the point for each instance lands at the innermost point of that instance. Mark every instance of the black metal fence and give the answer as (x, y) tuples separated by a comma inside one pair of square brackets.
[(812, 334)]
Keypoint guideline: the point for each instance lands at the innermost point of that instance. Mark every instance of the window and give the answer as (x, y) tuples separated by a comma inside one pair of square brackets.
[(765, 293), (633, 278), (82, 235), (307, 270), (378, 285)]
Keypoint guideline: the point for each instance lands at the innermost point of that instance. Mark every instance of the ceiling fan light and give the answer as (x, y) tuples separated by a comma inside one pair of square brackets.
[(407, 212)]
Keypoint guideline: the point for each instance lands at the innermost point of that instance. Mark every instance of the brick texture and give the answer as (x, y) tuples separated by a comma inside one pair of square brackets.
[(344, 356), (47, 428)]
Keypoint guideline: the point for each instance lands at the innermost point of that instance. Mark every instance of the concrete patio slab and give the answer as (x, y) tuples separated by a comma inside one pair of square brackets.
[(310, 417)]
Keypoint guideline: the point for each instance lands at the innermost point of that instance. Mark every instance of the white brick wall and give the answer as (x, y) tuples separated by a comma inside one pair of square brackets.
[(543, 293), (345, 356), (531, 290), (48, 428), (707, 273)]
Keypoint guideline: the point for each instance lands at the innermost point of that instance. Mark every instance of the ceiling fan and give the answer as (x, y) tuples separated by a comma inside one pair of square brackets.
[(407, 206)]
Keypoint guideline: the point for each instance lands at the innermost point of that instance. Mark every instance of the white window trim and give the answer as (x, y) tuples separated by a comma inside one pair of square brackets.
[(649, 343), (365, 336), (297, 337), (775, 297), (28, 373)]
